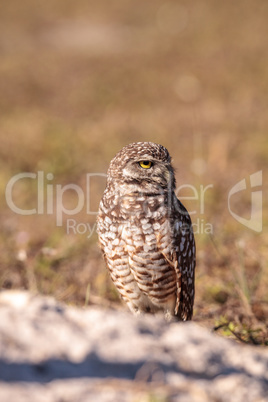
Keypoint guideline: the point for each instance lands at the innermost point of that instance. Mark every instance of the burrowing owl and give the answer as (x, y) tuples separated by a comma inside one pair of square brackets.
[(146, 233)]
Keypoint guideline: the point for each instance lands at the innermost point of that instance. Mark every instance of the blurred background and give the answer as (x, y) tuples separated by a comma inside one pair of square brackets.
[(78, 81)]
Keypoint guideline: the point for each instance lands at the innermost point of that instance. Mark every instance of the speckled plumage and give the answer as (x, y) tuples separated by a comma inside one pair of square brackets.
[(146, 233)]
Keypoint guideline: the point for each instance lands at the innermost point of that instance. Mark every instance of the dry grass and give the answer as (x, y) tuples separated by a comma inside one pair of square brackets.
[(79, 80)]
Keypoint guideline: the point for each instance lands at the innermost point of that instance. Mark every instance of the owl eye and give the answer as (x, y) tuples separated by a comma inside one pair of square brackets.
[(145, 164)]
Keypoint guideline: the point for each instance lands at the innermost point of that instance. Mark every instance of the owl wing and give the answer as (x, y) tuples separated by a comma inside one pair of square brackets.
[(173, 263), (181, 257), (185, 256)]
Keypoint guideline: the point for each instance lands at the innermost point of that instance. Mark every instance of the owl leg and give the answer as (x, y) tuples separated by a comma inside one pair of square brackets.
[(134, 309)]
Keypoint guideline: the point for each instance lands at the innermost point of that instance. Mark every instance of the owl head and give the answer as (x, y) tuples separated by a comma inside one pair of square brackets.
[(142, 167)]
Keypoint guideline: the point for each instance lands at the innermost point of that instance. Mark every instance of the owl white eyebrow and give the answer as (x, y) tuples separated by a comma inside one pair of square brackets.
[(143, 157), (146, 158)]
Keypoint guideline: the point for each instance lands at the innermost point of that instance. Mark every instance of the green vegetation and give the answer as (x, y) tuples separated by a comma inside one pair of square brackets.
[(79, 80)]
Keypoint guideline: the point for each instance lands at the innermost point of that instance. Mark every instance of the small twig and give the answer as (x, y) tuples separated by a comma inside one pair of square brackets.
[(220, 326), (237, 336)]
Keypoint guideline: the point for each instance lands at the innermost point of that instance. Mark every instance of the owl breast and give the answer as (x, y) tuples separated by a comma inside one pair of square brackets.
[(137, 250)]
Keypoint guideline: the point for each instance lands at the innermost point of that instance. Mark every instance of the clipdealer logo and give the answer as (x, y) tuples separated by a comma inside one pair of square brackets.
[(50, 200)]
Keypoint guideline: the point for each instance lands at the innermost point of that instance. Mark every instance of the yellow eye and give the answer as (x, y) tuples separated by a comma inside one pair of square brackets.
[(145, 164)]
